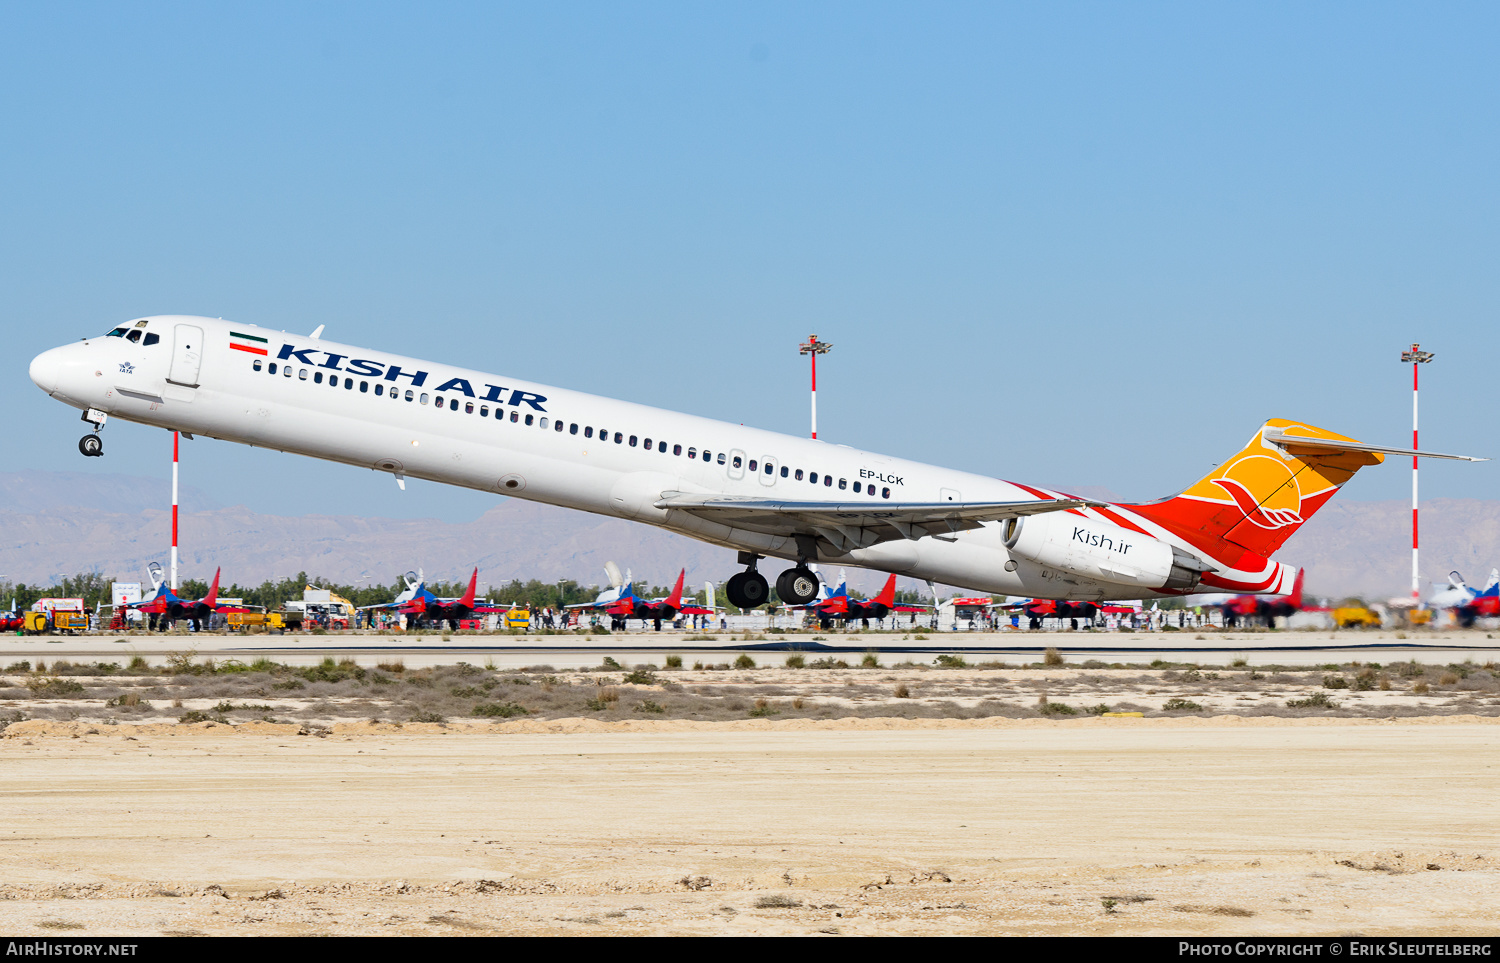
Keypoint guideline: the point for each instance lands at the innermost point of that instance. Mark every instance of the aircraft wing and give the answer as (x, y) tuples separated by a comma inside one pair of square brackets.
[(851, 525)]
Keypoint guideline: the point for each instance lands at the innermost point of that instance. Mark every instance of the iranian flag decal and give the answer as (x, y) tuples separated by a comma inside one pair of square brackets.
[(247, 342)]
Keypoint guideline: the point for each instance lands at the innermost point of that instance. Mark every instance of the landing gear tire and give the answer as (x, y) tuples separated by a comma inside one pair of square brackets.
[(92, 446), (747, 590), (797, 586)]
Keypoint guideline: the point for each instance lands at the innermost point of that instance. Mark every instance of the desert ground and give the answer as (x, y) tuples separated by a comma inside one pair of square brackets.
[(773, 800)]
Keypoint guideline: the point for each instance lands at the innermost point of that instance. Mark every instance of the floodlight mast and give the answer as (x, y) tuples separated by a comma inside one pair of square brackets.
[(813, 347), (1415, 357)]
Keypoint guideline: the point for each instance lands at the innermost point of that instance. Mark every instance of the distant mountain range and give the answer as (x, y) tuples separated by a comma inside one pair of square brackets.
[(55, 524)]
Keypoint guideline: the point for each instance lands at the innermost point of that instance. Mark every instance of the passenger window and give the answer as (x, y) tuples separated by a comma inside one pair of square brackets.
[(515, 416), (856, 488), (813, 478), (573, 428), (134, 336), (632, 441), (530, 419), (827, 480), (692, 453), (272, 367), (364, 387), (484, 411), (885, 493), (843, 483), (619, 437), (151, 339), (797, 475), (286, 371), (648, 444), (721, 458), (468, 407), (737, 463), (301, 374), (736, 460), (255, 364), (379, 388), (544, 422), (409, 394), (558, 426), (677, 449), (784, 471), (588, 432), (424, 398)]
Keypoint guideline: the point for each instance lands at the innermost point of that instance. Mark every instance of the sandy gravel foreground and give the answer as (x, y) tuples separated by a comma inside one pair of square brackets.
[(1151, 826)]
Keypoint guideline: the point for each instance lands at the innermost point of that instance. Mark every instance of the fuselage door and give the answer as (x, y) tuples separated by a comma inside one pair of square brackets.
[(187, 355)]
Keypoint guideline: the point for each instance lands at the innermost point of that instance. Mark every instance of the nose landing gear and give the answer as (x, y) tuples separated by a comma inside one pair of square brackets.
[(92, 446)]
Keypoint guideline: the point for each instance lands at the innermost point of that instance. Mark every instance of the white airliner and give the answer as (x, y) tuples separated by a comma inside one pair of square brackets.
[(758, 492)]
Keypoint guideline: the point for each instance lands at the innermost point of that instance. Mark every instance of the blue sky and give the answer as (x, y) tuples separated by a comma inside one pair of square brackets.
[(1068, 244)]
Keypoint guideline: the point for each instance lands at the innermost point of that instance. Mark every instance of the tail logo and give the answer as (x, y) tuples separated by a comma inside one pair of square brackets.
[(1265, 489)]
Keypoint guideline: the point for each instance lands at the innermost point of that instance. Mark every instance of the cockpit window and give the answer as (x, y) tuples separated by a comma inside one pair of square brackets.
[(151, 339), (134, 336), (116, 333)]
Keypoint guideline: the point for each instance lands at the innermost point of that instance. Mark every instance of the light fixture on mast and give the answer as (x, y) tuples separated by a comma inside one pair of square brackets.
[(1416, 356), (813, 347)]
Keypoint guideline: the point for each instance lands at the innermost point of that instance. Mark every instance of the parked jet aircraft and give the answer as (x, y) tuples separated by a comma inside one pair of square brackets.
[(759, 492), (420, 605), (1036, 610), (839, 605), (1459, 593), (1484, 603), (164, 607), (627, 605), (1251, 607)]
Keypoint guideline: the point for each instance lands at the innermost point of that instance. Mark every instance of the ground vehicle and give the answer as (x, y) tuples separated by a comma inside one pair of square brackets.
[(1356, 617)]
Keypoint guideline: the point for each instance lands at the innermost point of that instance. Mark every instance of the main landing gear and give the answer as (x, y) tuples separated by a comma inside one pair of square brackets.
[(92, 446), (749, 589)]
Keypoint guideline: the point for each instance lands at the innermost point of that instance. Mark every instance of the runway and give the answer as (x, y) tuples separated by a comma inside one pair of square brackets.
[(570, 651)]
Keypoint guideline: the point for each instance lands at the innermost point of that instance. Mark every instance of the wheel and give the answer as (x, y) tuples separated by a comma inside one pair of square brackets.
[(797, 586), (747, 590), (91, 445)]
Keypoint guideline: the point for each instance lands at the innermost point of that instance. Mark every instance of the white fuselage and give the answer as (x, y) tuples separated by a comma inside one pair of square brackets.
[(460, 426)]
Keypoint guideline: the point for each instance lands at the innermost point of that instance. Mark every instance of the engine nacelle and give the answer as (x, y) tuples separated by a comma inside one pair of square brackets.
[(1100, 550)]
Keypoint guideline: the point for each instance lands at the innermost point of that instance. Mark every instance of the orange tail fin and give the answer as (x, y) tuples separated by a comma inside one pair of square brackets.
[(1256, 499)]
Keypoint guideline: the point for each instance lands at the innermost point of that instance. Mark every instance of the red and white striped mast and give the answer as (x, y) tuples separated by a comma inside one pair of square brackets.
[(813, 347), (174, 511), (1416, 356)]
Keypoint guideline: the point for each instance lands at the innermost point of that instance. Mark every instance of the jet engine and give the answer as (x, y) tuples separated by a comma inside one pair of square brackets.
[(1103, 551)]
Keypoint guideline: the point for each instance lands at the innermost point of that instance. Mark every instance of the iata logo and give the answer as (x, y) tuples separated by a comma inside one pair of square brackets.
[(126, 367), (1265, 489)]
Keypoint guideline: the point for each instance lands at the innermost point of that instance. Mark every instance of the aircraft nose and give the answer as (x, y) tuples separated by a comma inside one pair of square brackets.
[(46, 369)]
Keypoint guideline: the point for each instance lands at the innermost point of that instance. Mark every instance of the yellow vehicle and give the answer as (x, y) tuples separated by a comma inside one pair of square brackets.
[(36, 623), (70, 621), (518, 618), (1355, 617)]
